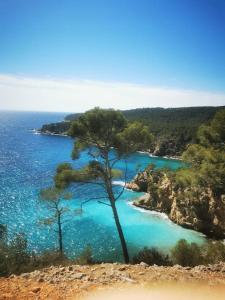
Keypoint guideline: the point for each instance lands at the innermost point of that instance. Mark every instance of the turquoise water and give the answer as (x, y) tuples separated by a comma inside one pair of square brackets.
[(27, 164)]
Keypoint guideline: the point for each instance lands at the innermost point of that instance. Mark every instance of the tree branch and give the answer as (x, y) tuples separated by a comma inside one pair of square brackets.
[(101, 202), (91, 199)]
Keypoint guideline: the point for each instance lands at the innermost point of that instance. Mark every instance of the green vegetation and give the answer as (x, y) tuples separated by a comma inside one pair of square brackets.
[(173, 128), (54, 199), (152, 256), (184, 254), (99, 131), (191, 255), (206, 158), (192, 196), (15, 257), (56, 128), (214, 252)]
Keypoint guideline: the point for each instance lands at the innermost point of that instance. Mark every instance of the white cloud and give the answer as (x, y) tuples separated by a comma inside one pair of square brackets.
[(24, 93)]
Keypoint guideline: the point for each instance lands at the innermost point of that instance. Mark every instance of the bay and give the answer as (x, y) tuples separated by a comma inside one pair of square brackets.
[(27, 164)]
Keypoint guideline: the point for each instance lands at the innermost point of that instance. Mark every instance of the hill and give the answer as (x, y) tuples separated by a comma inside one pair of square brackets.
[(173, 128)]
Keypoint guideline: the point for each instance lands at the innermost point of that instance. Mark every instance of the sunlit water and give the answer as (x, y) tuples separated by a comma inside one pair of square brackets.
[(27, 164)]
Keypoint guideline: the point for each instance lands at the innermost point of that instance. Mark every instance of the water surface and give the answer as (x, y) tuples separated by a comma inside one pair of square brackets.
[(27, 164)]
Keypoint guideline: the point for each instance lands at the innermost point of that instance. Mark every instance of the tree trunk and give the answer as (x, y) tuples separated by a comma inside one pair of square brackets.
[(109, 189), (60, 235), (120, 232), (117, 221)]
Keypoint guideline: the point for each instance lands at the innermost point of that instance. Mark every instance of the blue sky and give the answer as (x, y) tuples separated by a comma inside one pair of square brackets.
[(170, 44)]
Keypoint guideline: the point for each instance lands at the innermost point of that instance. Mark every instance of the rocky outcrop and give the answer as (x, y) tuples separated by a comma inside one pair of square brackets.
[(191, 208), (133, 186), (60, 128)]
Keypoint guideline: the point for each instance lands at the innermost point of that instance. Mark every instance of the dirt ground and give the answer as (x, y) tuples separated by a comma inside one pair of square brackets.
[(117, 281)]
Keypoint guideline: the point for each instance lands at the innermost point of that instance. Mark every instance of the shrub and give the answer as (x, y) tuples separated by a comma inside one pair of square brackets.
[(85, 258), (186, 254), (214, 252), (151, 256), (47, 258), (3, 233), (13, 256)]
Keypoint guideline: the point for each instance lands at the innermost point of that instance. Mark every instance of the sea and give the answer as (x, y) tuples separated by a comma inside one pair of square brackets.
[(28, 161)]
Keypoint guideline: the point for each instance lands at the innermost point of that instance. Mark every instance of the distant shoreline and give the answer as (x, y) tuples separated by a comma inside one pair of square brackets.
[(38, 131), (166, 156)]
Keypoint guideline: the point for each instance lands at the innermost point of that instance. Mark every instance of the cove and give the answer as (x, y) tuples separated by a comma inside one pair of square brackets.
[(27, 164)]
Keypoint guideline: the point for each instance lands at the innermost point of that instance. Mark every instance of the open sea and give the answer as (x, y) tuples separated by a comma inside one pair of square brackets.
[(27, 164)]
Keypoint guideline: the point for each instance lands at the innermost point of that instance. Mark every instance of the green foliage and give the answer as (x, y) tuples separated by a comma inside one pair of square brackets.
[(207, 159), (18, 257), (98, 131), (56, 128), (63, 166), (104, 129), (3, 233), (174, 128), (86, 257), (54, 199), (46, 259), (214, 252), (186, 254), (64, 178), (54, 196), (14, 257), (152, 256), (213, 135), (98, 127), (134, 137)]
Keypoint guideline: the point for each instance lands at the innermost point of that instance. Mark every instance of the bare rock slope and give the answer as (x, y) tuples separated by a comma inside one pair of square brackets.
[(78, 282)]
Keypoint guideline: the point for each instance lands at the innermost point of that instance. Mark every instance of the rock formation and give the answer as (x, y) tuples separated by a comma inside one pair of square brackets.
[(191, 208)]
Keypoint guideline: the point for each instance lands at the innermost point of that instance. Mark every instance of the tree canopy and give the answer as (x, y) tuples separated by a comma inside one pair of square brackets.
[(207, 158), (173, 128), (53, 198), (100, 132)]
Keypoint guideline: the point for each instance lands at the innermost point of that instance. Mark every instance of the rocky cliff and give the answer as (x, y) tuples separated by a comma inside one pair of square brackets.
[(191, 208)]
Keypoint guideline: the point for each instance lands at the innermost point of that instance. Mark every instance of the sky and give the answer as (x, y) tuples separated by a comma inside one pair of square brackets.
[(73, 55)]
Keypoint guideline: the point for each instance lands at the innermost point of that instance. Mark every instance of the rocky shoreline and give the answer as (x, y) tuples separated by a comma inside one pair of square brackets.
[(77, 282), (203, 212)]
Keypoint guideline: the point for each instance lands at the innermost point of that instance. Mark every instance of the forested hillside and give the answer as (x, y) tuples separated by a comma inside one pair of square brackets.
[(193, 196), (173, 128)]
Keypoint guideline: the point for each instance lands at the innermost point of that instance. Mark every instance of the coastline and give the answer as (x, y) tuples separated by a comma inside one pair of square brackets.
[(39, 131), (156, 156), (143, 209), (163, 215)]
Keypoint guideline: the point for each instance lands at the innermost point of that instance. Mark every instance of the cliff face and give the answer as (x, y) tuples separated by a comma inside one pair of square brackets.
[(191, 208)]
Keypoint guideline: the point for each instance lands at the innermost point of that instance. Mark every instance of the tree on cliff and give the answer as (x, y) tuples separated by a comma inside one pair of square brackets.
[(207, 158), (100, 131), (54, 199)]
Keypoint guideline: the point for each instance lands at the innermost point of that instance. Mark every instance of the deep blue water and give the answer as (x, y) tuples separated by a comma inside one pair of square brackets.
[(27, 164)]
